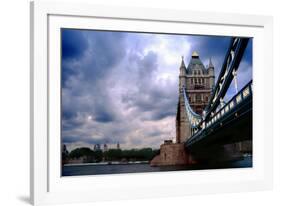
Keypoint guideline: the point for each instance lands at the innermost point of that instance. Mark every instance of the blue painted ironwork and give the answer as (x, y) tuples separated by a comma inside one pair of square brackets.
[(229, 110), (231, 63), (212, 117)]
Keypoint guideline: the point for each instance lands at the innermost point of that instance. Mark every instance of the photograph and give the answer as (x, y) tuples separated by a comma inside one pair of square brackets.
[(138, 102)]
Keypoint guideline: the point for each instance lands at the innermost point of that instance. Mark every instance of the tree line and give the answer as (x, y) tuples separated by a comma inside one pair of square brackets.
[(89, 155)]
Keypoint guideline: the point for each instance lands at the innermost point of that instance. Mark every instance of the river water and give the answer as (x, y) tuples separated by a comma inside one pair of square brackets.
[(134, 168)]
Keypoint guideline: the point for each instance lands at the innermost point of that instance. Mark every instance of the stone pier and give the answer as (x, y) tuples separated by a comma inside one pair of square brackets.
[(172, 154)]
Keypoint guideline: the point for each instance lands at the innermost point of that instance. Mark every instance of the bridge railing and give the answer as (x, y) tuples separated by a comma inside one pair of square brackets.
[(224, 113), (244, 93), (235, 101)]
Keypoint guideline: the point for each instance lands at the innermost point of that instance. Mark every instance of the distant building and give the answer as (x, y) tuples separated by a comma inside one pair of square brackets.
[(118, 145), (105, 148), (97, 147)]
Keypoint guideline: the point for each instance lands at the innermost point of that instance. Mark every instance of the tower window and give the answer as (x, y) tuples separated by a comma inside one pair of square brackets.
[(198, 97)]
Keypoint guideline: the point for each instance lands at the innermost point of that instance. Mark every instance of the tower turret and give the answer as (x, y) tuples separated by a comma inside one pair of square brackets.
[(211, 67), (211, 72), (182, 76)]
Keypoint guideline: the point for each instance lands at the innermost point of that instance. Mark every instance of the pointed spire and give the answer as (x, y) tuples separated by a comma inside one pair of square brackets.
[(182, 67), (182, 62), (211, 64)]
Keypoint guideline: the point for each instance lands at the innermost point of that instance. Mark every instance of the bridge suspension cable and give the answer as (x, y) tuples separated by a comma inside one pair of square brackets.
[(193, 117), (230, 66), (229, 70)]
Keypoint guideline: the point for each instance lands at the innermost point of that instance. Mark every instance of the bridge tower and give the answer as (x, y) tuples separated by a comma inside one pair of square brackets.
[(183, 128), (198, 82)]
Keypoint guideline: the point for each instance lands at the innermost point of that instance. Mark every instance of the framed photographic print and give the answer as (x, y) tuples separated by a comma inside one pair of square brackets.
[(166, 103)]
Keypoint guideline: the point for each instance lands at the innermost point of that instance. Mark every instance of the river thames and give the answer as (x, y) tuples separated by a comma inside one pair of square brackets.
[(74, 170)]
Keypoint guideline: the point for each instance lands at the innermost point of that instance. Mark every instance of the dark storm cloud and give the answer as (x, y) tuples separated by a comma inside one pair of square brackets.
[(123, 87), (159, 100), (88, 140), (83, 78), (91, 62), (146, 66), (162, 113), (210, 46), (70, 122), (215, 47), (107, 49), (73, 43)]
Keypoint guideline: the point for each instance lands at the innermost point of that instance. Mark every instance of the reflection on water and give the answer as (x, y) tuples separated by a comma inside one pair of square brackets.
[(133, 168)]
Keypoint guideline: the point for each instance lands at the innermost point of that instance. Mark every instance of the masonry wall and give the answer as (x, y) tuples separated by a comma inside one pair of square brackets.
[(171, 154), (182, 124)]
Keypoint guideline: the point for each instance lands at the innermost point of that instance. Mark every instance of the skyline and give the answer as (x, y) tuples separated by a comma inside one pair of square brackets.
[(123, 86)]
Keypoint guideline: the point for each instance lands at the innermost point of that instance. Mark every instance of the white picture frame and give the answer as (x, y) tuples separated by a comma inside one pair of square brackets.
[(46, 184)]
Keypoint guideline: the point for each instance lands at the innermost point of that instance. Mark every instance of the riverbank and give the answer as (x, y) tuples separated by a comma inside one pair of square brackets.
[(141, 167), (107, 163)]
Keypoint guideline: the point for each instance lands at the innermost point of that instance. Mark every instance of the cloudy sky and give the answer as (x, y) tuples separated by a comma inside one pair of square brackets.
[(123, 86)]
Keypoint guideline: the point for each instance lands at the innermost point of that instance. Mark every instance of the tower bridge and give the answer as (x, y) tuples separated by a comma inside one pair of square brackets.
[(206, 126)]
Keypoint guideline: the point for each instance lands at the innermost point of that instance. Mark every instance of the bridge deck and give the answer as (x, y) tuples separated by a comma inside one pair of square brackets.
[(232, 123)]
